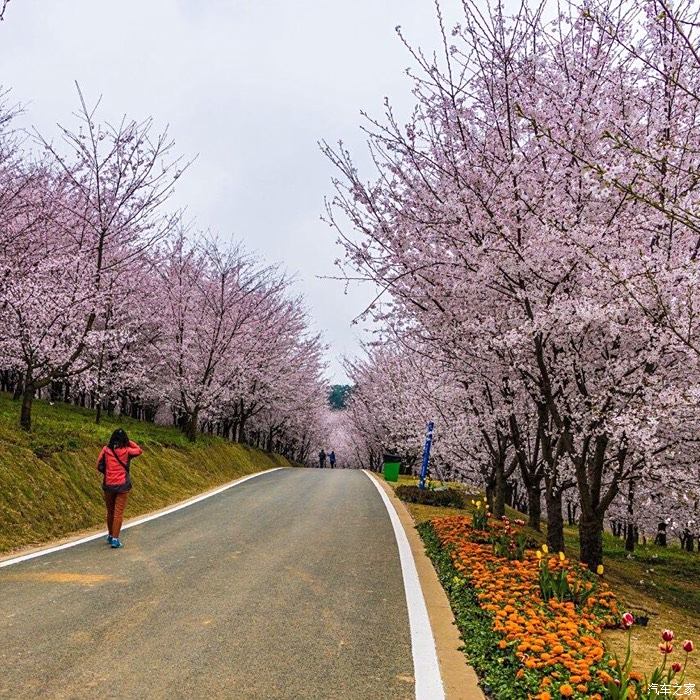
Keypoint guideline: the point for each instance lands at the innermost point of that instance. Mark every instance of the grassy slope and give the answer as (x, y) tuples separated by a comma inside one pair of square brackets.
[(49, 486), (661, 582)]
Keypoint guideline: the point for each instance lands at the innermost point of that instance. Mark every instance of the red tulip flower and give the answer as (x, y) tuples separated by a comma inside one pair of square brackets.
[(688, 646), (667, 636), (627, 620), (666, 648), (676, 667)]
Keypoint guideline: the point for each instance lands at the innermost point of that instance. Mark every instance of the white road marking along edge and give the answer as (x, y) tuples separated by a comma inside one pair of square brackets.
[(134, 523), (425, 663)]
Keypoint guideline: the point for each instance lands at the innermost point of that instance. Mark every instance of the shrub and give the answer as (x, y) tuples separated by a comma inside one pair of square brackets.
[(429, 497)]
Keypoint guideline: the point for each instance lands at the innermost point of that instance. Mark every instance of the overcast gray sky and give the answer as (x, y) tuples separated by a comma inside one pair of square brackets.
[(249, 86)]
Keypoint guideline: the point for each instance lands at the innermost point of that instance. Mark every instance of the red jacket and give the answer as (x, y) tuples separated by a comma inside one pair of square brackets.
[(114, 464)]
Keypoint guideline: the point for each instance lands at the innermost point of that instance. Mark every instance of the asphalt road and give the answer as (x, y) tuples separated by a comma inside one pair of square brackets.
[(286, 586)]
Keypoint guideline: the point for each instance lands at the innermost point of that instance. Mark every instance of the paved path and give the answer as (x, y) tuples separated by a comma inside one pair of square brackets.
[(286, 586)]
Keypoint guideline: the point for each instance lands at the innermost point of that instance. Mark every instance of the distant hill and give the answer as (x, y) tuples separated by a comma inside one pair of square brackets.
[(339, 395)]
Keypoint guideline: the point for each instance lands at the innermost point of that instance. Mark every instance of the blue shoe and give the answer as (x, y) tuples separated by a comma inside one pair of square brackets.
[(109, 539), (116, 543)]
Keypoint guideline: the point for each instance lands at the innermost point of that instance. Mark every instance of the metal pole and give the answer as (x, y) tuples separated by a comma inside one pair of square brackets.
[(426, 455)]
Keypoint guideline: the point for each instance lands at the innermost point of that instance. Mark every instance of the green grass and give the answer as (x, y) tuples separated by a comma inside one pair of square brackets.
[(50, 488), (61, 427), (667, 573)]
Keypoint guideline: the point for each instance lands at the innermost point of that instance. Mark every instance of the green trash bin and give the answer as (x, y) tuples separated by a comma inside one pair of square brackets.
[(392, 464)]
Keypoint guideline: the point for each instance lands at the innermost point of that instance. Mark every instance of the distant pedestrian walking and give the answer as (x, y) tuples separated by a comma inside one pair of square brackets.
[(113, 463), (322, 458), (331, 459)]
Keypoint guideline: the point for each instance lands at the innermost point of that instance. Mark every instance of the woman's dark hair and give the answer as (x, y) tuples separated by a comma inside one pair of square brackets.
[(119, 439)]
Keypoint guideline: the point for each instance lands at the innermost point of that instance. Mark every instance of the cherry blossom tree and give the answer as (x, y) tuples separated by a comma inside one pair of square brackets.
[(218, 309), (492, 241), (87, 220), (47, 293), (105, 301)]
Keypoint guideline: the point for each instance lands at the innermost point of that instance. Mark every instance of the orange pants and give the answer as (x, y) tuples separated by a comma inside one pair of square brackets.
[(116, 502)]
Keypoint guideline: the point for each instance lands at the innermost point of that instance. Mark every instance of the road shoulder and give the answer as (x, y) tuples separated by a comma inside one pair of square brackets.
[(459, 680)]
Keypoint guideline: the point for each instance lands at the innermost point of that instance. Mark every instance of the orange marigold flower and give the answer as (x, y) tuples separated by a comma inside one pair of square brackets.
[(604, 676), (566, 690), (551, 633)]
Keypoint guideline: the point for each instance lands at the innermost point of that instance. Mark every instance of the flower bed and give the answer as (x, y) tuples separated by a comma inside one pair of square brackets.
[(522, 646)]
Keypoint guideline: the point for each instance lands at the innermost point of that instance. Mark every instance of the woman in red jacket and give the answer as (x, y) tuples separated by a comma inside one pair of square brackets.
[(113, 463)]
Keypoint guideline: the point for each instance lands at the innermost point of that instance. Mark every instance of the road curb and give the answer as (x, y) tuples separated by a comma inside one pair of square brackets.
[(426, 667), (459, 680)]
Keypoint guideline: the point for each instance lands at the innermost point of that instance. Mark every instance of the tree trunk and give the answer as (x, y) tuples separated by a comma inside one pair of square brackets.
[(56, 391), (534, 506), (661, 535), (25, 419), (191, 425), (241, 429), (19, 390), (590, 530), (630, 533), (511, 491), (555, 521), (98, 412), (499, 493)]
